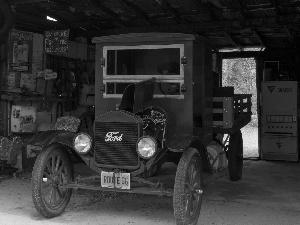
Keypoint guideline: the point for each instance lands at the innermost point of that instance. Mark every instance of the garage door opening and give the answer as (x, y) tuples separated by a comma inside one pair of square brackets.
[(241, 74)]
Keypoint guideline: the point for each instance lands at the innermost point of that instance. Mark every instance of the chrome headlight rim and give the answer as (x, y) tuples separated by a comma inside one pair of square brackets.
[(155, 148), (91, 143)]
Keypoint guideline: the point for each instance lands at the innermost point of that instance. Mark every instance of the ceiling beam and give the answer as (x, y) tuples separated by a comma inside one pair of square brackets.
[(65, 6), (274, 4), (168, 8), (22, 2), (229, 36), (139, 12), (258, 37), (241, 5), (109, 13), (214, 26), (59, 19), (289, 35), (243, 54), (208, 9)]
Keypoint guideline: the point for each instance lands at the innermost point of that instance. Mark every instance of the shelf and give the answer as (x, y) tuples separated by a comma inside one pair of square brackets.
[(17, 97)]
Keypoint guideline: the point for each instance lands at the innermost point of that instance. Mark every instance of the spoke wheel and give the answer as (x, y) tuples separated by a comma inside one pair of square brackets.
[(188, 188), (52, 169), (235, 156)]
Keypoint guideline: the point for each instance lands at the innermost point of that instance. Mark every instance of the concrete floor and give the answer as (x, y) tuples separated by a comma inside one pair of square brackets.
[(268, 194)]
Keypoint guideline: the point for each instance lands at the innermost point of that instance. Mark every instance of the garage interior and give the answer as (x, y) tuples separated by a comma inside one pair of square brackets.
[(272, 26)]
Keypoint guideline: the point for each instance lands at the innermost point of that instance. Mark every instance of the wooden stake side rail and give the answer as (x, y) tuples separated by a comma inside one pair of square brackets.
[(231, 113)]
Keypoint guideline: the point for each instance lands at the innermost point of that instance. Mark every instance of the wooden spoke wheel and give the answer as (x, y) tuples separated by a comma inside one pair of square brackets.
[(52, 169), (235, 156), (188, 188)]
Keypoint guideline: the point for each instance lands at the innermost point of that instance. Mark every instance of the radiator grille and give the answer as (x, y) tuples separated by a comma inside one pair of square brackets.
[(117, 153)]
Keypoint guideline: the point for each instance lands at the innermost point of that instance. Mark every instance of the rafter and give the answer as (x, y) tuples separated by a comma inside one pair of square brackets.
[(289, 35), (229, 36), (65, 6), (61, 20), (22, 2), (205, 5), (167, 7), (217, 26), (259, 38), (241, 5), (274, 4), (139, 12), (109, 13)]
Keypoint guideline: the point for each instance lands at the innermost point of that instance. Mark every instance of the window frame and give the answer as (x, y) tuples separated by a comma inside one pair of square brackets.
[(137, 78)]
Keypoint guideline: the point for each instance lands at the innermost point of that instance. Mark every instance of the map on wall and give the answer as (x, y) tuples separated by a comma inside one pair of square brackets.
[(56, 41)]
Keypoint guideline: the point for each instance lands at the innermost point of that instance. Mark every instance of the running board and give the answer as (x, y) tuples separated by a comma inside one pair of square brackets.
[(136, 190)]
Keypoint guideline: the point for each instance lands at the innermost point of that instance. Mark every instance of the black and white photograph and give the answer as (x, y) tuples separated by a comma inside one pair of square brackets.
[(149, 112)]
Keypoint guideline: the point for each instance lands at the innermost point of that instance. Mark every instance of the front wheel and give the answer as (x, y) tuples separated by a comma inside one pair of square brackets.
[(53, 168), (188, 188)]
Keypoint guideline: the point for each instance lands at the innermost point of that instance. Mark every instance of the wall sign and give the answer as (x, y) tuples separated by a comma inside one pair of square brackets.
[(56, 41), (20, 54)]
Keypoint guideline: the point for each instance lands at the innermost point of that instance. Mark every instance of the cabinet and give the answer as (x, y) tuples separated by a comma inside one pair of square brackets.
[(279, 131)]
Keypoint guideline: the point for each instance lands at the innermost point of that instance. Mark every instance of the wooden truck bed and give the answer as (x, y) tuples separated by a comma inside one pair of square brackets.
[(231, 113)]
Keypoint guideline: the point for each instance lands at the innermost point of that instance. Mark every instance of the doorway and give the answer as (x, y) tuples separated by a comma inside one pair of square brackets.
[(241, 74)]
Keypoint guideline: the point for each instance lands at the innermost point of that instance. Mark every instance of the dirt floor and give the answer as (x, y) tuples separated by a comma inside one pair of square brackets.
[(250, 140), (267, 194)]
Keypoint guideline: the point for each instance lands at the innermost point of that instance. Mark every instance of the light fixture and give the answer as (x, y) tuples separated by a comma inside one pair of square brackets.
[(50, 18)]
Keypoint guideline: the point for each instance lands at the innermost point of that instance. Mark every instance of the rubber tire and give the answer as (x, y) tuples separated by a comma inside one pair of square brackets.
[(6, 11), (37, 179), (235, 156), (179, 197)]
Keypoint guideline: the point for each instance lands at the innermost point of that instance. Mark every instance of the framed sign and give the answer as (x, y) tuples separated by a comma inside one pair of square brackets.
[(20, 54), (56, 41)]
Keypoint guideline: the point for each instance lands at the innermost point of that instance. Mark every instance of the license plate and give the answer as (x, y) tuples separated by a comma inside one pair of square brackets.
[(115, 180)]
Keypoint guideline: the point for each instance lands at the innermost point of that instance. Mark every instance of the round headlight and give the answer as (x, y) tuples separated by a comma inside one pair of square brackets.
[(146, 147), (82, 143)]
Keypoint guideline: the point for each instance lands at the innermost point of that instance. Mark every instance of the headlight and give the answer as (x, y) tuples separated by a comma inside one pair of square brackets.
[(82, 143), (146, 147)]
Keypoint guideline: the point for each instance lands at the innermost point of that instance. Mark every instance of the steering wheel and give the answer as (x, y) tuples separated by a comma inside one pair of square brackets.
[(7, 14)]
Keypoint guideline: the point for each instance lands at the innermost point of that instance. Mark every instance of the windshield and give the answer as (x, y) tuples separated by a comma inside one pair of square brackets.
[(125, 65), (163, 60)]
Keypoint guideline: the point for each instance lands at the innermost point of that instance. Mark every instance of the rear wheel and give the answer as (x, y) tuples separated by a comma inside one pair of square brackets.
[(235, 156), (52, 169), (188, 188)]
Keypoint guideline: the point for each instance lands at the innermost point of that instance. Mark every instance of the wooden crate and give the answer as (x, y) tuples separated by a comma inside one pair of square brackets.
[(232, 112)]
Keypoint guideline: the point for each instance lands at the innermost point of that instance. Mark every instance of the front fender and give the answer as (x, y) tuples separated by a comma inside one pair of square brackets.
[(54, 138), (183, 142), (45, 138)]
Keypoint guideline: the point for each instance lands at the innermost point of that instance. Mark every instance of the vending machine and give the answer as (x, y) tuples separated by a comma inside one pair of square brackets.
[(279, 120)]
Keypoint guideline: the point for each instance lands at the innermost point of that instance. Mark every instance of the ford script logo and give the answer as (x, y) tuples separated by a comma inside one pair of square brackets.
[(113, 136)]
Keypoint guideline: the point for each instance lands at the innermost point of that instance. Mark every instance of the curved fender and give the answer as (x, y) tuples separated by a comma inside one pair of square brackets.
[(43, 138), (65, 138), (184, 142), (54, 138)]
